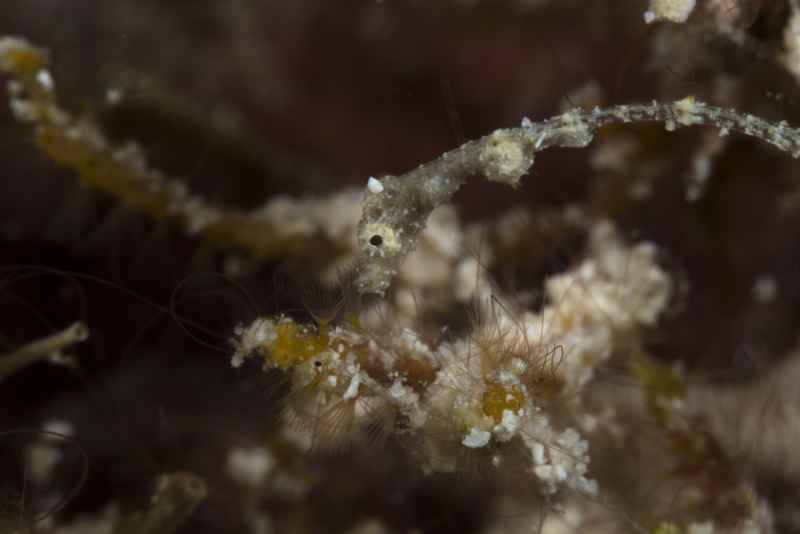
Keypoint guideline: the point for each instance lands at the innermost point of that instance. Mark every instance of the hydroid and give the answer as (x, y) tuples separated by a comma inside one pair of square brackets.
[(504, 394)]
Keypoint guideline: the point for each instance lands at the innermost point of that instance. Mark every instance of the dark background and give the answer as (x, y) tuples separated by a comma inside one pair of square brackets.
[(245, 99)]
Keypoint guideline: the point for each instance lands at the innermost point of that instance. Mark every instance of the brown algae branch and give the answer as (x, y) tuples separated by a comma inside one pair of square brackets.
[(396, 208), (121, 170), (75, 142), (42, 348)]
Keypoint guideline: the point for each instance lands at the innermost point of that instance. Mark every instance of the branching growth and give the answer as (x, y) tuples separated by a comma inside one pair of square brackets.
[(41, 348), (396, 214), (280, 228)]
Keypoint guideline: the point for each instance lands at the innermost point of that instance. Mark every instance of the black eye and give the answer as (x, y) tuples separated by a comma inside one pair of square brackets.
[(376, 240), (318, 363)]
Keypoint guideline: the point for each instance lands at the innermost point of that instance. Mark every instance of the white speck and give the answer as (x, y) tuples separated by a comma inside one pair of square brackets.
[(538, 453), (509, 425), (352, 389), (14, 88), (374, 185), (249, 466), (59, 426), (765, 288), (114, 96), (45, 80), (671, 10), (518, 366), (23, 110), (397, 390), (476, 438), (560, 473)]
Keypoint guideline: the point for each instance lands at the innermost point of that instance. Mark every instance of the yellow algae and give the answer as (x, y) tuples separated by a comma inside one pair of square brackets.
[(498, 398), (294, 345)]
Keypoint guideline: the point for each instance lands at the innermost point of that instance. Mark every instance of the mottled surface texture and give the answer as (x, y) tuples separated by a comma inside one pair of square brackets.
[(289, 107)]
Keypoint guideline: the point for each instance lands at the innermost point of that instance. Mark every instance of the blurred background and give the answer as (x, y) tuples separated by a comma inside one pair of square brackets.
[(244, 100)]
